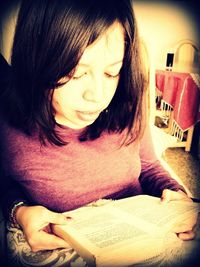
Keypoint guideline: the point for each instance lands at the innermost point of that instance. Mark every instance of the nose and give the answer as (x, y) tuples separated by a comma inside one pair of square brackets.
[(94, 90)]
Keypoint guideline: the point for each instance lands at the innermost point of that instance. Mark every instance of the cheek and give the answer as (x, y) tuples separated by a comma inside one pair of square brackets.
[(65, 97), (111, 89), (59, 101), (64, 103)]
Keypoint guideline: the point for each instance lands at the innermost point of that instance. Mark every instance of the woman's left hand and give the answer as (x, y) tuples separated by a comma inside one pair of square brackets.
[(186, 231)]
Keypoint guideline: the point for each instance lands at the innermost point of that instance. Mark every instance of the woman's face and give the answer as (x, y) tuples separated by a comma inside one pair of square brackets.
[(79, 102)]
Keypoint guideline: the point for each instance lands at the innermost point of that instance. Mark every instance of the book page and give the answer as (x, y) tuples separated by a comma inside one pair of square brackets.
[(103, 227), (164, 215), (99, 233)]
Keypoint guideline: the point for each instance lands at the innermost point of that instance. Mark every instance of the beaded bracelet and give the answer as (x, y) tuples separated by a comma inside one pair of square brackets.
[(14, 209)]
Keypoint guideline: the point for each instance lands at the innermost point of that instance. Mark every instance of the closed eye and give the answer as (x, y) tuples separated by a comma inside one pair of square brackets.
[(112, 76), (108, 75), (79, 76)]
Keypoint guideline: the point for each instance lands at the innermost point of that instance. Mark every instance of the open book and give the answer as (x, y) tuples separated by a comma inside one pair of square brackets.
[(127, 231)]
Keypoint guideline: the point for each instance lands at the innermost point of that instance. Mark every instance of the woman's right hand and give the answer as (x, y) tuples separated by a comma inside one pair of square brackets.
[(35, 222)]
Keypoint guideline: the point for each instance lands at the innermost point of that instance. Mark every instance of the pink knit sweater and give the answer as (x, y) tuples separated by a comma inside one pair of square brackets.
[(64, 178)]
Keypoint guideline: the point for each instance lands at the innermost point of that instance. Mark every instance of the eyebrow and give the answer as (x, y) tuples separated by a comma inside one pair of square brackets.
[(112, 64)]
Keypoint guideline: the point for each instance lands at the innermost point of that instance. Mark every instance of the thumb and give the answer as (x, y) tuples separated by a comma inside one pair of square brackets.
[(47, 241), (166, 196), (58, 218)]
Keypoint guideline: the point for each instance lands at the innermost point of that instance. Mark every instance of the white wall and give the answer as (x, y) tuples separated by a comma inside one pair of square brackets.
[(8, 17), (162, 24)]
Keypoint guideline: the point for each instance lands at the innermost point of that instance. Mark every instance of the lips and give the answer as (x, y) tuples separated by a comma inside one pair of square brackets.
[(88, 115), (90, 112)]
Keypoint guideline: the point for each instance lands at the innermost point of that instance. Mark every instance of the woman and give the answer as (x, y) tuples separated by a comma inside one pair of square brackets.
[(73, 121)]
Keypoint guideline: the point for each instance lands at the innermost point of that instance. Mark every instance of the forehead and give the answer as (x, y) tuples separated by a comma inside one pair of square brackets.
[(107, 49)]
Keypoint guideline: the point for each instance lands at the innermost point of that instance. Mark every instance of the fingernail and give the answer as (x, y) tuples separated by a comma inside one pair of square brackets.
[(68, 218), (164, 200)]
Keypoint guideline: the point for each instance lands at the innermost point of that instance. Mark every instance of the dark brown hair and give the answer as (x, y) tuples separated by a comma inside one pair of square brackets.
[(49, 40)]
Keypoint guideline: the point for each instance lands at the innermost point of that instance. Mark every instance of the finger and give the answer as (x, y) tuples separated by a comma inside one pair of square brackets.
[(190, 235), (45, 241), (57, 218), (180, 228), (47, 229), (187, 225), (166, 195)]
